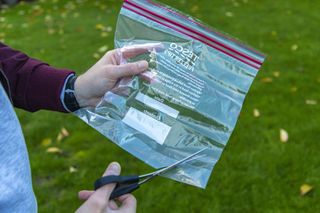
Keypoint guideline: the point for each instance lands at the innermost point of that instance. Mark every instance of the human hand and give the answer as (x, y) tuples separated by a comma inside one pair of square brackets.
[(98, 201), (104, 75)]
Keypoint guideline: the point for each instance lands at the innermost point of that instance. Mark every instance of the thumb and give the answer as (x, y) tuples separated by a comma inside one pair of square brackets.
[(102, 194), (130, 69)]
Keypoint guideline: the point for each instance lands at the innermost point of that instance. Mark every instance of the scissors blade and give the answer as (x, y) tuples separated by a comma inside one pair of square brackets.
[(179, 162), (150, 176)]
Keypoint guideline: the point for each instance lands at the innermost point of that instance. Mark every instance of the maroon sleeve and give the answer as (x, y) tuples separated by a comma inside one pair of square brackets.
[(32, 84)]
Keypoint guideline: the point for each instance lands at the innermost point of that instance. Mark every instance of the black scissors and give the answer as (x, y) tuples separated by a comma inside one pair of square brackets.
[(127, 184)]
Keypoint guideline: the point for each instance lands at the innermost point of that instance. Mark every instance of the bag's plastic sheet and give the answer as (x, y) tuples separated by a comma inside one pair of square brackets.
[(189, 99)]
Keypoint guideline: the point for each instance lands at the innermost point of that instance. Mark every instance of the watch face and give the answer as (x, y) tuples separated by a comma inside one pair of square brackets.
[(70, 100)]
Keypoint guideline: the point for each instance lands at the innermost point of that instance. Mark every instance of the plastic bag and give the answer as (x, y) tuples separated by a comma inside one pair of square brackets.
[(190, 97)]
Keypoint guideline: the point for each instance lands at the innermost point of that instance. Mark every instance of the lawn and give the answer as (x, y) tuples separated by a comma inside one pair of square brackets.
[(256, 173)]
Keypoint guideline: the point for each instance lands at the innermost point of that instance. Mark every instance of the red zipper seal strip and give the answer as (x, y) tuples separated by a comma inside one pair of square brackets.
[(190, 35)]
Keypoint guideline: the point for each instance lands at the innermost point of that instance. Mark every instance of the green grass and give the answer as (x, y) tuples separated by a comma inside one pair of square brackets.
[(256, 173)]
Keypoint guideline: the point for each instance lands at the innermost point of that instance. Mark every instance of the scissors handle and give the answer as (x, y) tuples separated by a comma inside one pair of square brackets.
[(125, 184), (122, 190), (115, 179)]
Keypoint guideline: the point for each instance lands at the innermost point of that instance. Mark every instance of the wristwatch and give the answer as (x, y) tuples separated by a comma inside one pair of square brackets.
[(70, 100)]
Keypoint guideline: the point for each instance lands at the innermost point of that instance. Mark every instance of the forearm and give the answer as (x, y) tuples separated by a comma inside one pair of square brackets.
[(32, 84)]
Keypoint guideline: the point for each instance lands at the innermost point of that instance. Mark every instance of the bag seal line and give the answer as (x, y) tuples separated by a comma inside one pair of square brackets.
[(205, 42), (194, 32), (208, 29)]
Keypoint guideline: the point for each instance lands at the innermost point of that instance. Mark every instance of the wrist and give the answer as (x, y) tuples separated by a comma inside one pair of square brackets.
[(82, 101), (69, 99)]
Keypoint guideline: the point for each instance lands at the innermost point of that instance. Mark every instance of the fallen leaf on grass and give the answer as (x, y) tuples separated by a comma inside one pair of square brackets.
[(24, 25), (267, 80), (311, 102), (274, 33), (21, 13), (103, 49), (294, 47), (305, 189), (108, 29), (46, 142), (79, 29), (294, 89), (2, 35), (103, 28), (96, 55), (276, 74), (73, 169), (194, 8), (229, 14), (99, 27), (54, 150), (236, 4), (62, 134), (284, 136), (103, 7), (51, 31), (63, 15), (256, 113), (104, 34), (48, 19), (9, 26)]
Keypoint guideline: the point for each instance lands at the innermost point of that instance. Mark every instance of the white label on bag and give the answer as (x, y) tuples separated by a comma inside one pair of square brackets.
[(149, 126), (157, 105)]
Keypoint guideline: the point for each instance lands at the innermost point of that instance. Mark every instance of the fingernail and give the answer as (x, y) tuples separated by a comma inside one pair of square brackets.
[(142, 64), (114, 168)]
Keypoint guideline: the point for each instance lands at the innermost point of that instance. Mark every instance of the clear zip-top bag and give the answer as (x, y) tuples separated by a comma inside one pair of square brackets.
[(189, 98)]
